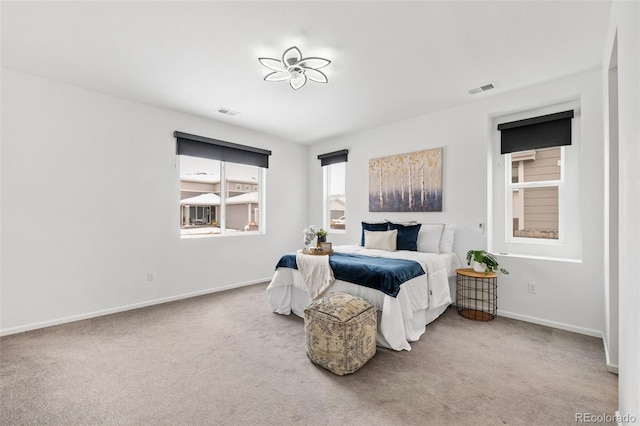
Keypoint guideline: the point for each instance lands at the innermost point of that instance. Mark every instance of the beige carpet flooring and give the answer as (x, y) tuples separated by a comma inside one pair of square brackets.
[(225, 358)]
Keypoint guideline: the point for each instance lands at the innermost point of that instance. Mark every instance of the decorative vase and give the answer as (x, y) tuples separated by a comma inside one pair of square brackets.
[(309, 232), (479, 267)]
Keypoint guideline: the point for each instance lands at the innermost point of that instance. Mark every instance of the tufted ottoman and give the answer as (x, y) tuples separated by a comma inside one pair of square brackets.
[(340, 332)]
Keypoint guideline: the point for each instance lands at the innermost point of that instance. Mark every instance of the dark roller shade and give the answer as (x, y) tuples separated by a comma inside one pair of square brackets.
[(214, 149), (333, 157), (545, 131)]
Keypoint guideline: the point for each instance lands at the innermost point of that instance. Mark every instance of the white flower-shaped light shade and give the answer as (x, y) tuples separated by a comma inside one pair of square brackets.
[(296, 69)]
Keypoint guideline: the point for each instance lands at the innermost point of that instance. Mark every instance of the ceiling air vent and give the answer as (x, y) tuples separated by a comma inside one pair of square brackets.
[(482, 88), (227, 111)]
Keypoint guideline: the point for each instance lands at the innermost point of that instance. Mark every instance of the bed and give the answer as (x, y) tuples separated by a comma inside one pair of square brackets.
[(401, 319)]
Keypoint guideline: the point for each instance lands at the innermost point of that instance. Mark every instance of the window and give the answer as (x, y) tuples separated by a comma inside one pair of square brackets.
[(209, 201), (197, 215), (335, 196), (536, 161), (333, 172)]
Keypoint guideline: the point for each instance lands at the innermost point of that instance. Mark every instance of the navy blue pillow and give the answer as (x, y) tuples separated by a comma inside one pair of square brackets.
[(375, 226), (407, 236)]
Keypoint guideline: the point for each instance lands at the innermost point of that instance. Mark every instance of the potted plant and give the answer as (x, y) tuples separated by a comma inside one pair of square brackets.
[(322, 236), (484, 262)]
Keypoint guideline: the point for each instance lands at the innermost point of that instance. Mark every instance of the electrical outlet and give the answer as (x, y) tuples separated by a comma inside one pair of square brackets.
[(532, 287), (480, 227), (151, 276)]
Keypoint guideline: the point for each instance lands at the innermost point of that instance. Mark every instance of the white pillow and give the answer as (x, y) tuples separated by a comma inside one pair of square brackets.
[(382, 240), (429, 237), (446, 240)]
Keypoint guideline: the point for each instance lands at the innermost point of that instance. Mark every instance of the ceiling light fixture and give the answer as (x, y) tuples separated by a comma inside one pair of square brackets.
[(295, 69)]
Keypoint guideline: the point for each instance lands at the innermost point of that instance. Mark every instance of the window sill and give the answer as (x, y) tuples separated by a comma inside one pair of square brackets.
[(528, 256), (228, 234)]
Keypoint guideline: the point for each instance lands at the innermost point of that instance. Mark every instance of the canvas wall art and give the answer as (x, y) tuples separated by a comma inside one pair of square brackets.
[(410, 182)]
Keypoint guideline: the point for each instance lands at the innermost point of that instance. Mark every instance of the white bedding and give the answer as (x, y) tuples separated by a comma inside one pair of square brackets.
[(401, 319)]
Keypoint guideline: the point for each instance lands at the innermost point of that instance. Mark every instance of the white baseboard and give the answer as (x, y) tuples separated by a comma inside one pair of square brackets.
[(43, 324), (553, 324)]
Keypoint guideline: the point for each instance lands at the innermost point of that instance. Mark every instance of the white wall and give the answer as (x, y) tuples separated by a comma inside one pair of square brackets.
[(569, 295), (90, 196), (611, 207), (624, 25)]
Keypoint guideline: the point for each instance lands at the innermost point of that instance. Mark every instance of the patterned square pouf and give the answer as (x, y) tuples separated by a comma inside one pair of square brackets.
[(340, 332)]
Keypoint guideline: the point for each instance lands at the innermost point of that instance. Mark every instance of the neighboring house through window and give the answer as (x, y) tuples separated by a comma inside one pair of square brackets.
[(216, 178), (334, 197), (535, 189)]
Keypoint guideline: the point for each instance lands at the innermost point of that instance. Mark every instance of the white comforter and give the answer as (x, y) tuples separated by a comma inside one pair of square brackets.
[(401, 319)]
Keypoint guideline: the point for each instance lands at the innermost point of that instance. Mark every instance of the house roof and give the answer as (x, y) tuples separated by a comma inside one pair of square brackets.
[(211, 199), (247, 197), (208, 199)]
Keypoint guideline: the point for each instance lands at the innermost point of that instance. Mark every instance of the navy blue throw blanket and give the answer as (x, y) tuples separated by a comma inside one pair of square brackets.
[(380, 273)]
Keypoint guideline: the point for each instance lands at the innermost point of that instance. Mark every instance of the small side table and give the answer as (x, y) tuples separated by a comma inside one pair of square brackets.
[(476, 294)]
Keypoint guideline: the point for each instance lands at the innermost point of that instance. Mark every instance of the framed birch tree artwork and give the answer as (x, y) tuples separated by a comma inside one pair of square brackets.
[(409, 182)]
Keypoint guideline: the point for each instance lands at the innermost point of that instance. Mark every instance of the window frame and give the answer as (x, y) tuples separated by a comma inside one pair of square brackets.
[(225, 152), (569, 245), (326, 203), (224, 187)]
